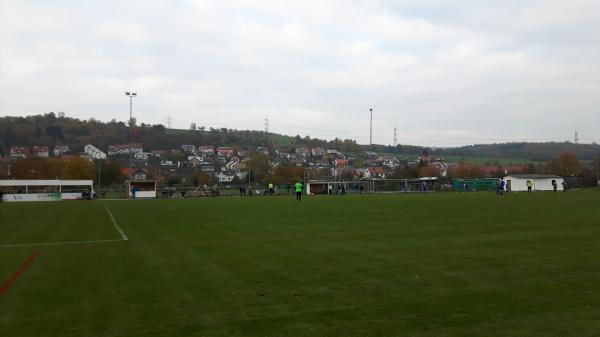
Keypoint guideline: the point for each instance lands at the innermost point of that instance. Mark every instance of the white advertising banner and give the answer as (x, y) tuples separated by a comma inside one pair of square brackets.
[(31, 197), (72, 196)]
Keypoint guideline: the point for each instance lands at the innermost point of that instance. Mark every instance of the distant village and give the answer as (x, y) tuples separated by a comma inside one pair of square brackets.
[(230, 164)]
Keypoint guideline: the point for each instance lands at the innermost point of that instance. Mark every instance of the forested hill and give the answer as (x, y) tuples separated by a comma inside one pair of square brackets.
[(49, 129), (531, 151)]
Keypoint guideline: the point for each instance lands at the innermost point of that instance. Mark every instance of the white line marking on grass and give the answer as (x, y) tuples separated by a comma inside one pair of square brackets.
[(59, 243), (114, 221), (112, 218)]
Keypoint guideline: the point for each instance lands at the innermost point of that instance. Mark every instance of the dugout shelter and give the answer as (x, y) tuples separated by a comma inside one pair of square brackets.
[(541, 182), (46, 190), (142, 188)]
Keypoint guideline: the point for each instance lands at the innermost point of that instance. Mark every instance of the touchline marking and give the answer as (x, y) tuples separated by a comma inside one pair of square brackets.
[(114, 221), (112, 218), (16, 275), (58, 243)]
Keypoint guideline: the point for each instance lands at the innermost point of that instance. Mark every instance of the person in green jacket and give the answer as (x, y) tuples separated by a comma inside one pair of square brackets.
[(271, 189), (298, 189)]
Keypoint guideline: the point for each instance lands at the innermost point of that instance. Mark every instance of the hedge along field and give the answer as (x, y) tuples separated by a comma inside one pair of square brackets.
[(455, 264)]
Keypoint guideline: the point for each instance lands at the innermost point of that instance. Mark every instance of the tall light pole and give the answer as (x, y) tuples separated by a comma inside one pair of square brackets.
[(371, 131), (131, 95)]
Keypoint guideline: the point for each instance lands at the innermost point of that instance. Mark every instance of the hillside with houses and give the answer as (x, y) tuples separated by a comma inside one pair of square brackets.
[(116, 152)]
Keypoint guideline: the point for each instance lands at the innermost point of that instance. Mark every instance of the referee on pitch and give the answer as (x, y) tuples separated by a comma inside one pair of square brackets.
[(298, 190)]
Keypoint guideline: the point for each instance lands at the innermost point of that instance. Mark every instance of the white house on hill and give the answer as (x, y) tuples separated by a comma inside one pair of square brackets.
[(93, 152)]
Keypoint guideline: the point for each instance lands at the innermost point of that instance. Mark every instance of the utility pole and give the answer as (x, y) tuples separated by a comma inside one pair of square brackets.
[(249, 184), (169, 122), (99, 173), (371, 131), (395, 137), (576, 137)]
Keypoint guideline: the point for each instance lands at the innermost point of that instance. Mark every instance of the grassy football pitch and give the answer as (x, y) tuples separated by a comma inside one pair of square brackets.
[(373, 265)]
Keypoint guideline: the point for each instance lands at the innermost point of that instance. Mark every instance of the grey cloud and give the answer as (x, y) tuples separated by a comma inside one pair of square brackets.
[(444, 72)]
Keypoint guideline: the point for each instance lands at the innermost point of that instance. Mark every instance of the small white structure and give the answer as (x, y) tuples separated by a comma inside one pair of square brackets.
[(541, 182), (45, 190)]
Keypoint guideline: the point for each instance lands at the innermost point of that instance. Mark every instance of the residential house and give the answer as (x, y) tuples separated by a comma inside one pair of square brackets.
[(206, 150), (334, 153), (377, 172), (18, 152), (340, 162), (284, 154), (363, 173), (190, 149), (167, 162), (263, 150), (224, 151), (318, 152), (41, 151), (124, 148), (59, 150), (194, 161), (298, 161), (135, 173), (303, 152), (224, 177), (142, 155), (93, 152)]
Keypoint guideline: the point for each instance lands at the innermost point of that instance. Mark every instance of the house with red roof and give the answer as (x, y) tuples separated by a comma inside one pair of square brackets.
[(18, 152), (376, 172)]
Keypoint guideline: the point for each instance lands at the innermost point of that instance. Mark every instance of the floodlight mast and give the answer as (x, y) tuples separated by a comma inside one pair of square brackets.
[(131, 95), (371, 131)]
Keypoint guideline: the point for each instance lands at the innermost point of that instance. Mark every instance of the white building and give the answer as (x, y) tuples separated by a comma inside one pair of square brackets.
[(208, 150), (224, 177), (59, 150), (93, 152), (141, 155), (41, 151), (191, 149), (541, 182)]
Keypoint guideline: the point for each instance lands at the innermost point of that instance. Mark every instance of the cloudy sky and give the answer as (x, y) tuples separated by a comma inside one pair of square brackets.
[(444, 72)]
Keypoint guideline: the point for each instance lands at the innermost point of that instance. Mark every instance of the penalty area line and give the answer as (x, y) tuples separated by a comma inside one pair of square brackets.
[(112, 218)]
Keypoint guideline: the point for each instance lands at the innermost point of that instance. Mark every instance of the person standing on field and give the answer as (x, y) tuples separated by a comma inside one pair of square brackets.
[(271, 190), (554, 185), (298, 190), (529, 186)]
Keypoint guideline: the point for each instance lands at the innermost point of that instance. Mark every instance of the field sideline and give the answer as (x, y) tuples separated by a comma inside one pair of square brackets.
[(438, 264)]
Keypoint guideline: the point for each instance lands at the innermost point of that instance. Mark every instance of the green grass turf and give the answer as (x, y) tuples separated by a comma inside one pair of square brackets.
[(371, 265)]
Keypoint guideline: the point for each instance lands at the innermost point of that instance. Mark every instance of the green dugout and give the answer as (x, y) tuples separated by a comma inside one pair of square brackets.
[(475, 184)]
